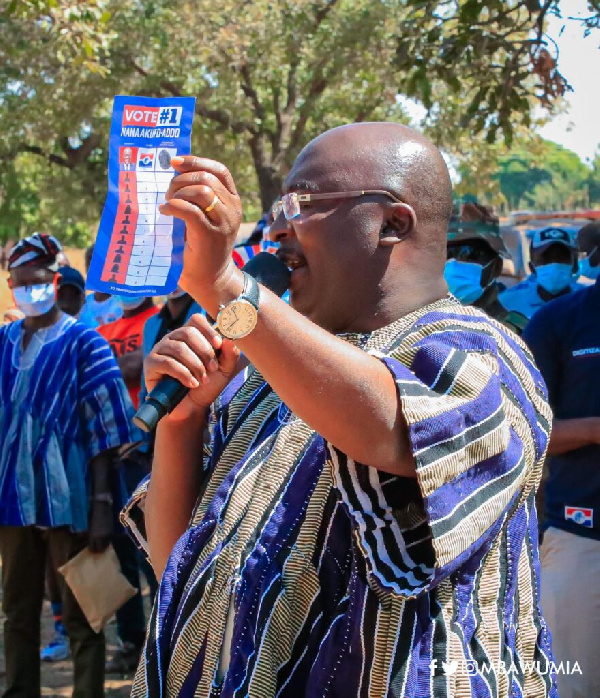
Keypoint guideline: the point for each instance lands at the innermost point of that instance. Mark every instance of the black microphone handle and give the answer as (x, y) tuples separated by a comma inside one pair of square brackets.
[(268, 270)]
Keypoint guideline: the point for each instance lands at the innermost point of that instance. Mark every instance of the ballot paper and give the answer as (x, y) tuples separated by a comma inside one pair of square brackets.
[(138, 250)]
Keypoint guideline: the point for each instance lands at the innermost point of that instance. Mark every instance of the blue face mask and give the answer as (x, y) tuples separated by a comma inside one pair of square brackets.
[(554, 277), (464, 280), (586, 269), (129, 303)]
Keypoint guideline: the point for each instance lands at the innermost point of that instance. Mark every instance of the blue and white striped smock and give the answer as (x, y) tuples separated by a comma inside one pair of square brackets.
[(62, 402)]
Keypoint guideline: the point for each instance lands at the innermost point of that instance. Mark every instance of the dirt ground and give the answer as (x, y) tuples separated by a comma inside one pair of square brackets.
[(57, 677)]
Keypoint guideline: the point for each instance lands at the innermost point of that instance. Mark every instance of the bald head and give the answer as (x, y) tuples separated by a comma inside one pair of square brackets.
[(380, 155), (367, 260)]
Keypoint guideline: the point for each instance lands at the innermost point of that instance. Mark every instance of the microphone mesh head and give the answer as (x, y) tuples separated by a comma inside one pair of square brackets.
[(269, 271)]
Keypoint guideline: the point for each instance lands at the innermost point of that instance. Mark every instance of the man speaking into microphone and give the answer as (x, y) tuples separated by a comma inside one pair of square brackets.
[(362, 521)]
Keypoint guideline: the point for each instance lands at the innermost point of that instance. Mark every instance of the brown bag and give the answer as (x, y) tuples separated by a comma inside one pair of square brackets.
[(98, 585)]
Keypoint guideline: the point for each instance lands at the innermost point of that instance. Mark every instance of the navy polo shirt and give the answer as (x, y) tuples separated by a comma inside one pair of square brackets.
[(564, 337)]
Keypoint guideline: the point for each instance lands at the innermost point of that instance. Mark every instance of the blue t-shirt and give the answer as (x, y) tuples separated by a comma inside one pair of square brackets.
[(564, 337), (524, 297)]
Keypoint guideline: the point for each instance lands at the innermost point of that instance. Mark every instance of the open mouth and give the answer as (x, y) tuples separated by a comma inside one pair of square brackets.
[(292, 260)]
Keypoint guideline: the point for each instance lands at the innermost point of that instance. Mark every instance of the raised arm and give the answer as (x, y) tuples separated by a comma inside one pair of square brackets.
[(346, 395)]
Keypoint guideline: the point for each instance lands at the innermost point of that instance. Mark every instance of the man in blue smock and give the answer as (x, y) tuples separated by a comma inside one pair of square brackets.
[(564, 337), (554, 266), (64, 410)]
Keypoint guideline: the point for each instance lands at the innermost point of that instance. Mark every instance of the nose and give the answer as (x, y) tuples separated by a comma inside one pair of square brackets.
[(280, 229)]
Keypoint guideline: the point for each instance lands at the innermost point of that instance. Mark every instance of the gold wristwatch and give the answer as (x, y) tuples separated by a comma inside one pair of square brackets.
[(239, 317)]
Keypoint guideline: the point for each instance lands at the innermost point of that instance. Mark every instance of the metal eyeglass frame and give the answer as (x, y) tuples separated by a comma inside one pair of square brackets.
[(290, 203)]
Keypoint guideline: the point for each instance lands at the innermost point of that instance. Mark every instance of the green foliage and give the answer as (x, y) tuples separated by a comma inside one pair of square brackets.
[(535, 174), (545, 177), (268, 76)]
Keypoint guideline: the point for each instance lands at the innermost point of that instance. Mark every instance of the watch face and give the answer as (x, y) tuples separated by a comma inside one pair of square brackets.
[(237, 319)]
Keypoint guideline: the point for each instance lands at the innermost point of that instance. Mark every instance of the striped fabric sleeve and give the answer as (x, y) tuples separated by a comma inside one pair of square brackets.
[(132, 516), (107, 407), (471, 468)]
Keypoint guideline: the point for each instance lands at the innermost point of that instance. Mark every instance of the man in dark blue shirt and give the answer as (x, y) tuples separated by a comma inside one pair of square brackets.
[(564, 337)]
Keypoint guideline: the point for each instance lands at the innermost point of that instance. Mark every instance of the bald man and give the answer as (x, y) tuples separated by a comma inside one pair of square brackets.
[(362, 522)]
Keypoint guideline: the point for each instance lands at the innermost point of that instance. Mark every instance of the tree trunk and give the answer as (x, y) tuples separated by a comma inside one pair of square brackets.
[(269, 184)]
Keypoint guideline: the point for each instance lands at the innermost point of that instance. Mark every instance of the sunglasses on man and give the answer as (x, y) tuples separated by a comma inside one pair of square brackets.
[(469, 252)]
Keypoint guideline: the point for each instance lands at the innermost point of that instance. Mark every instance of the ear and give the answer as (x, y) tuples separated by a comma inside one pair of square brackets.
[(400, 223)]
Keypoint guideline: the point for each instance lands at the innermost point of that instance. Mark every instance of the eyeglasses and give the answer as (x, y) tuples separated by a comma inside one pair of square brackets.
[(290, 204)]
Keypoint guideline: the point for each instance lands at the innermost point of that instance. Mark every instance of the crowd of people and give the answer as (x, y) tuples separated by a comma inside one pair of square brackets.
[(354, 511)]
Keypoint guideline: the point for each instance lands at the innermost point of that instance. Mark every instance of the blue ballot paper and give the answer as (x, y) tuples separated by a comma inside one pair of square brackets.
[(138, 251)]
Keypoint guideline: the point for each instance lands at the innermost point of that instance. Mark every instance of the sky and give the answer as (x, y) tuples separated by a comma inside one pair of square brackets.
[(579, 61)]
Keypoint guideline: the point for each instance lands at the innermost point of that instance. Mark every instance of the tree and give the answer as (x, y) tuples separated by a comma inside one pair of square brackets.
[(268, 75), (543, 176), (594, 182)]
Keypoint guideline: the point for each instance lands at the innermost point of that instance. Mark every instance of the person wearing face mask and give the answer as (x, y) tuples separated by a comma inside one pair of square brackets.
[(588, 239), (99, 308), (64, 410), (554, 266), (474, 263), (125, 339)]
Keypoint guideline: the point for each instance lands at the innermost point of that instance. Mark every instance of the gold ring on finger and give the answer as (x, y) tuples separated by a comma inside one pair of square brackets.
[(214, 202)]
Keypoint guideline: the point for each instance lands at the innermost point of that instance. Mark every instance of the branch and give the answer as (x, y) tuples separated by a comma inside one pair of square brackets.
[(249, 91), (72, 156), (51, 157), (220, 116), (316, 89), (284, 135)]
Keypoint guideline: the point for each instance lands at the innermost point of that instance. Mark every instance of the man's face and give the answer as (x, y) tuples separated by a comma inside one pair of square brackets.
[(30, 276), (70, 299), (553, 254), (332, 249)]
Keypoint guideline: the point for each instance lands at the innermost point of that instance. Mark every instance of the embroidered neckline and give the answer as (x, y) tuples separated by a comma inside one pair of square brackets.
[(22, 360)]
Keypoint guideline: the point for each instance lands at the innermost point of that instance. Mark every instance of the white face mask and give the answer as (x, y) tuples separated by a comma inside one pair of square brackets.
[(35, 300)]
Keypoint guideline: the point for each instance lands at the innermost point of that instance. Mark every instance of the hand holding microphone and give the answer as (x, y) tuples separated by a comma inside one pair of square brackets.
[(199, 362), (196, 358)]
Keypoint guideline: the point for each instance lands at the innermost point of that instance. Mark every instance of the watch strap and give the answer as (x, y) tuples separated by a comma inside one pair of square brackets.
[(251, 291)]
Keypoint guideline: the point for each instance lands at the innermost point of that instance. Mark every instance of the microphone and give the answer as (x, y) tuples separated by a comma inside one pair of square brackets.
[(269, 271)]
